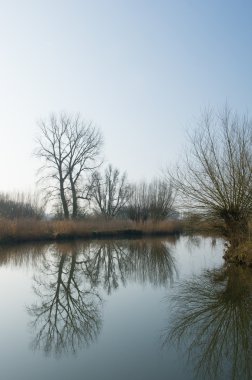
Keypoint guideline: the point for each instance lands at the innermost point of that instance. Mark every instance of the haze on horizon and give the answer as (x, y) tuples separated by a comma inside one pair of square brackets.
[(142, 71)]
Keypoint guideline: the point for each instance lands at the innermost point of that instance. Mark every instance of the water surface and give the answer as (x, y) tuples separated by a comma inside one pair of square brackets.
[(137, 309)]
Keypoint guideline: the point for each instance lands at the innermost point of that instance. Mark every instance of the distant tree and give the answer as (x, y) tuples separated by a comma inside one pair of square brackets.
[(69, 148), (110, 191), (215, 177), (138, 209), (20, 205), (152, 200), (161, 199)]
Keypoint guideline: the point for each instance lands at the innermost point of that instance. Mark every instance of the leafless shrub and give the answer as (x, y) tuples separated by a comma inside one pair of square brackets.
[(215, 178)]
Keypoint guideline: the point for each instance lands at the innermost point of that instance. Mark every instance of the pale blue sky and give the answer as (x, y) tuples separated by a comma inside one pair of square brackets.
[(141, 70)]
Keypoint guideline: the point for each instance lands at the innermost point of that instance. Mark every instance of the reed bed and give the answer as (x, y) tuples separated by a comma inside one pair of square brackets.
[(41, 230)]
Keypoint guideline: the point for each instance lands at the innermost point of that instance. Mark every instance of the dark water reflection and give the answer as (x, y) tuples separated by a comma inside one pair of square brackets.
[(212, 319), (97, 309)]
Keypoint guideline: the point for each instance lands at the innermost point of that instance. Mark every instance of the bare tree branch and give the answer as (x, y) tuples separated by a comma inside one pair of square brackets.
[(69, 148), (215, 178)]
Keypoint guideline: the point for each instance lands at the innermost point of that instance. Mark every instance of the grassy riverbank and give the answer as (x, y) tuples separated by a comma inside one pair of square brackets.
[(38, 230)]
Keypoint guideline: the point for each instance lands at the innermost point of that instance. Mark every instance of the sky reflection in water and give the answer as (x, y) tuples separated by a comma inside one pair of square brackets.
[(139, 309)]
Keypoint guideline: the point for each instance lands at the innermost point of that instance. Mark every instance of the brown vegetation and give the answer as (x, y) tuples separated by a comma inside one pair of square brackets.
[(239, 253), (197, 224), (39, 230)]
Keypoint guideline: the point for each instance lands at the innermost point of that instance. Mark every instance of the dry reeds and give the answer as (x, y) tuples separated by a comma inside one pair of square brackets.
[(40, 230)]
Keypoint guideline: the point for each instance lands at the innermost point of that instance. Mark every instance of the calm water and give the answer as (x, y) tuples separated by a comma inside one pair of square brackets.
[(138, 309)]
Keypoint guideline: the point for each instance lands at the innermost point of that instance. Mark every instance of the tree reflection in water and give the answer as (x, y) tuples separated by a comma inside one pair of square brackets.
[(18, 255), (146, 261), (152, 261), (212, 316), (107, 264), (68, 312)]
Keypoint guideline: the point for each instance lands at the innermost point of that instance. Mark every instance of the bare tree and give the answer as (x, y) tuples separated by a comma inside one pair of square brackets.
[(215, 178), (152, 200), (69, 148), (161, 199), (138, 209), (110, 191)]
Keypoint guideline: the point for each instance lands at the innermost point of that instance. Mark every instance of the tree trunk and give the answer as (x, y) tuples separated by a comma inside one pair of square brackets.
[(237, 228), (63, 200), (74, 199)]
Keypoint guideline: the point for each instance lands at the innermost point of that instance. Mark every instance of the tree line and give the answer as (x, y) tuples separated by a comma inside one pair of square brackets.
[(70, 151), (20, 205), (213, 179), (74, 182)]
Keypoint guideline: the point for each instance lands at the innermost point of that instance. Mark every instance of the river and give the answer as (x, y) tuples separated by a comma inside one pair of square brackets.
[(163, 308)]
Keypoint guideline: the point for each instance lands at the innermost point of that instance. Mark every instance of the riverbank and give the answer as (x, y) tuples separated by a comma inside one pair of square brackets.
[(25, 230), (32, 230), (240, 254)]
